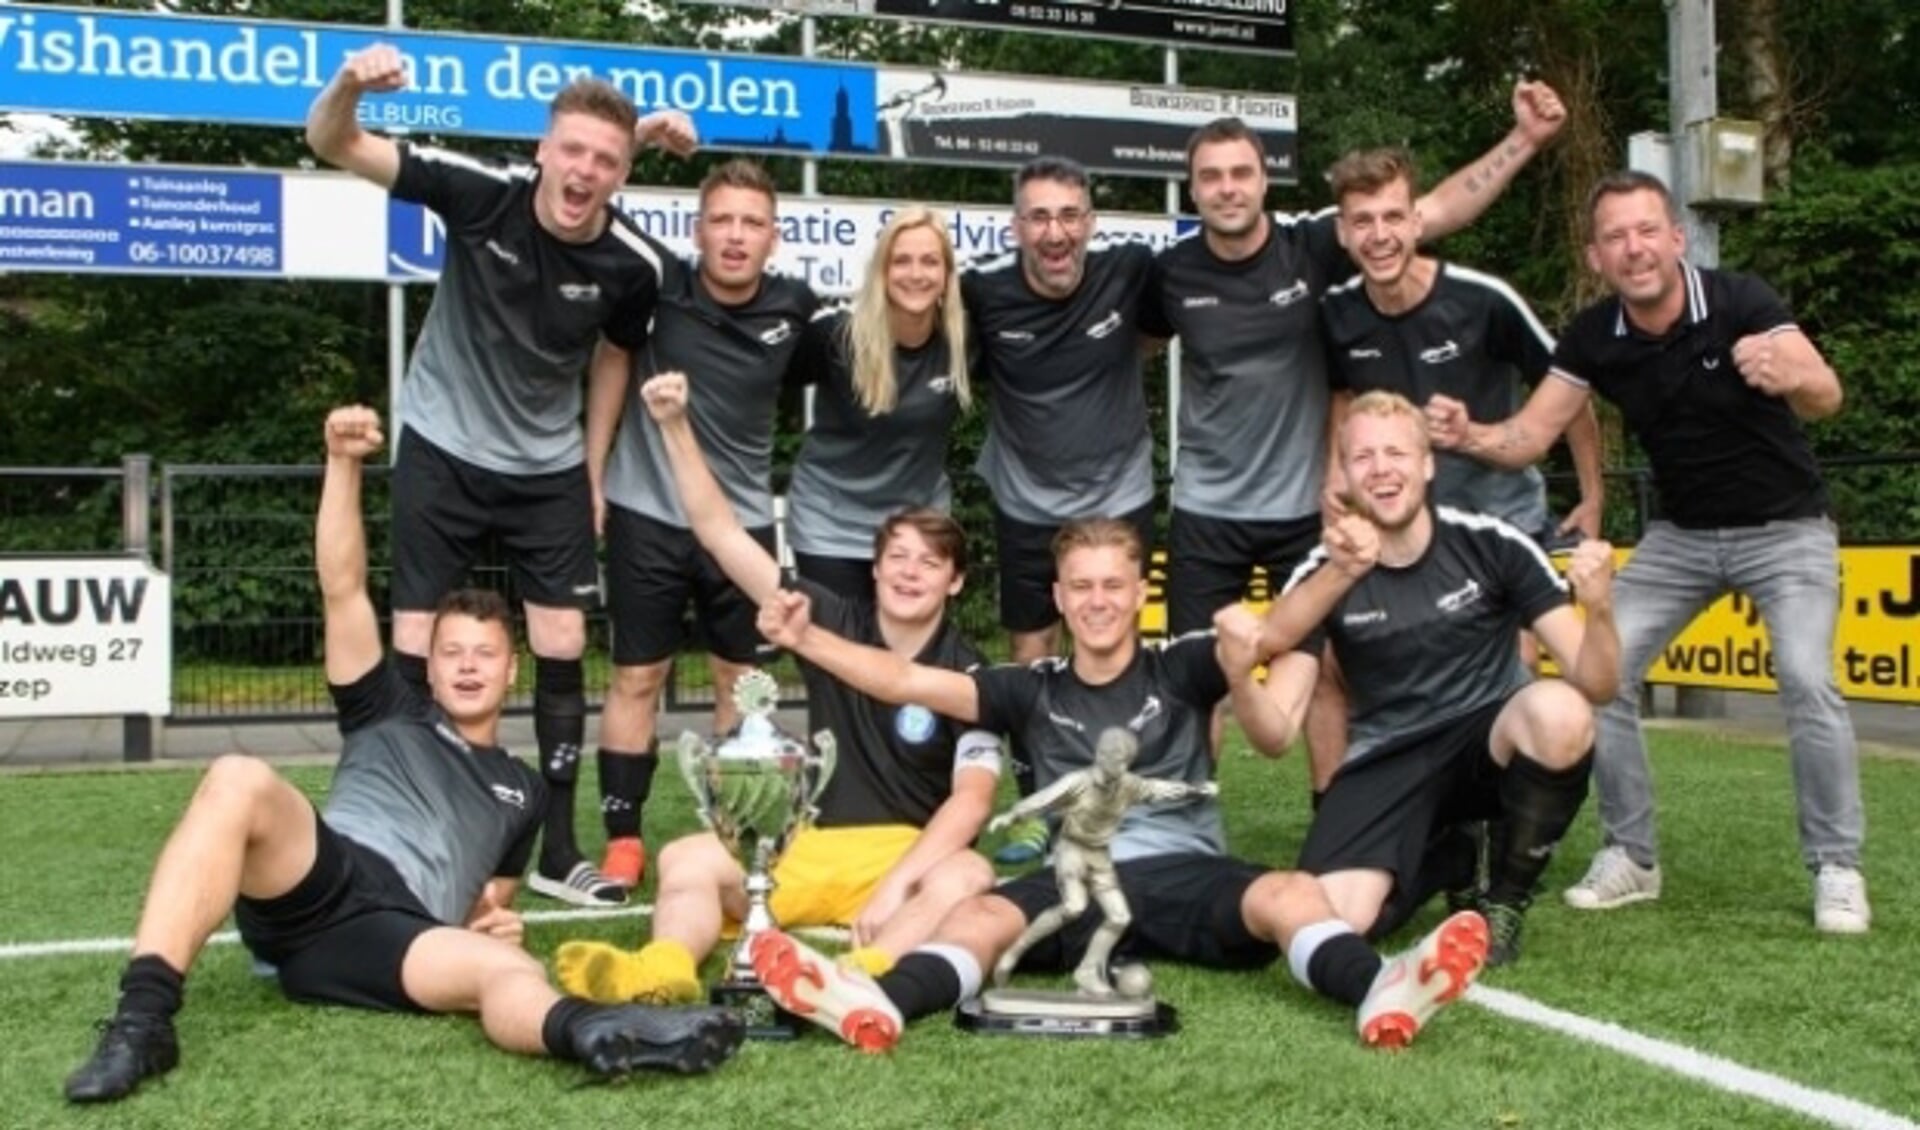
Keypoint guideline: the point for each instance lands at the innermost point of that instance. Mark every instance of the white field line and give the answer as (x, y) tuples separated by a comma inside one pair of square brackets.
[(11, 951), (1724, 1074)]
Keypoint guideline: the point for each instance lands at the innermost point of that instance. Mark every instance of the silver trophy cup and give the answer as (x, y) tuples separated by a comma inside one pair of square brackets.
[(755, 791)]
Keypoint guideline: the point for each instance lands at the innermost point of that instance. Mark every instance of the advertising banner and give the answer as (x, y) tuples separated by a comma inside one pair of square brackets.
[(81, 636)]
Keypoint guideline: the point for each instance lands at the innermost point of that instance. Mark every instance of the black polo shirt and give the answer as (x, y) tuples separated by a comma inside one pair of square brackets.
[(1723, 453)]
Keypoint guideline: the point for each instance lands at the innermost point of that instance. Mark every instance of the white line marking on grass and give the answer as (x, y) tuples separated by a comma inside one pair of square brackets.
[(15, 950), (1825, 1106)]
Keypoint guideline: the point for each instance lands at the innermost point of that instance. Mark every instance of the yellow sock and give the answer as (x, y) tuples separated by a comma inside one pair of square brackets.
[(665, 973), (873, 962)]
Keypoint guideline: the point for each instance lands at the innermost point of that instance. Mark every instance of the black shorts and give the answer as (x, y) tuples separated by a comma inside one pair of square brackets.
[(1026, 567), (342, 933), (1210, 560), (1184, 907), (1382, 812), (850, 577), (653, 570), (445, 509)]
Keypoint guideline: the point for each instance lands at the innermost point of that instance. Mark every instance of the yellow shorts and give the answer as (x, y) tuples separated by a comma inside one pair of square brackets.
[(828, 874)]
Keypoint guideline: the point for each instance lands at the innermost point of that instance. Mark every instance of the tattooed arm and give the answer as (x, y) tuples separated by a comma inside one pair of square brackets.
[(1458, 201)]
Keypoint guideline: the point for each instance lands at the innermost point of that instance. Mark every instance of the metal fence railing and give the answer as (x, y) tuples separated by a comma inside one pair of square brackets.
[(237, 542)]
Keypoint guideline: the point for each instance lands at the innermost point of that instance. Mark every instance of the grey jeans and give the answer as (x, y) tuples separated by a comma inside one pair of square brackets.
[(1790, 570)]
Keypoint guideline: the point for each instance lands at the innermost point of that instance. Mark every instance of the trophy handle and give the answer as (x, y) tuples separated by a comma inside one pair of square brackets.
[(690, 753), (829, 755)]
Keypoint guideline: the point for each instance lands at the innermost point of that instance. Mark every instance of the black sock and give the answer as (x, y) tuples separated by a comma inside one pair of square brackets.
[(413, 672), (626, 779), (1343, 968), (560, 728), (556, 1030), (150, 987), (1536, 806), (921, 984)]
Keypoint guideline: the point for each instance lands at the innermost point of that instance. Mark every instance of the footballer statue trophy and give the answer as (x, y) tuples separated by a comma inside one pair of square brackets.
[(755, 791), (1089, 804)]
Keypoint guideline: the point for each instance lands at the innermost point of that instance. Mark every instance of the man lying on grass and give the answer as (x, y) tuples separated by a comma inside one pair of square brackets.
[(397, 897), (1190, 900)]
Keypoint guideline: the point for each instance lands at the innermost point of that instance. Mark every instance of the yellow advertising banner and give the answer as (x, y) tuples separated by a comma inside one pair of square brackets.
[(1876, 646)]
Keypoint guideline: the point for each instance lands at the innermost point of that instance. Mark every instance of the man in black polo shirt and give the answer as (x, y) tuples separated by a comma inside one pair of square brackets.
[(1712, 375), (742, 333), (396, 897), (1420, 605), (890, 851), (1189, 900), (540, 269)]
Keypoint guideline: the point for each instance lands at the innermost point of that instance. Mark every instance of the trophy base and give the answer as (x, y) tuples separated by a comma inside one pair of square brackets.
[(1020, 1012), (765, 1019)]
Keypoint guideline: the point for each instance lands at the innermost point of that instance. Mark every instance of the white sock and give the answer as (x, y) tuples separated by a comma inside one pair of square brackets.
[(1308, 939)]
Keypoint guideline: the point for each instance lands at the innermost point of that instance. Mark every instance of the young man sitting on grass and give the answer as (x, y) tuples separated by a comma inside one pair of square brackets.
[(1189, 900), (891, 849), (396, 897)]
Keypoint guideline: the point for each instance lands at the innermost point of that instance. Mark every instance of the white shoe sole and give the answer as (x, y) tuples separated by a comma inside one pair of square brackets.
[(1580, 899), (560, 890)]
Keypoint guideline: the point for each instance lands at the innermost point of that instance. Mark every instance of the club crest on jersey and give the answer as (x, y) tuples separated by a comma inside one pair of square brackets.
[(1288, 295), (1441, 354), (1149, 710), (941, 385), (1466, 596), (781, 331), (1106, 325), (580, 292), (913, 722), (507, 794)]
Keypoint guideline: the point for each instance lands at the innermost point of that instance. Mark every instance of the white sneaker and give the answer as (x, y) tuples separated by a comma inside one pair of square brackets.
[(1613, 880), (1411, 987), (832, 994), (1840, 900)]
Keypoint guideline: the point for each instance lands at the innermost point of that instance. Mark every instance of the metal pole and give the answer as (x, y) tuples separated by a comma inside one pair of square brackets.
[(1171, 76), (1694, 95), (396, 307), (136, 536)]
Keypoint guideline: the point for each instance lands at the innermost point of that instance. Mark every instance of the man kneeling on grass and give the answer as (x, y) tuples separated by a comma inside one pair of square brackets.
[(1189, 900), (397, 897)]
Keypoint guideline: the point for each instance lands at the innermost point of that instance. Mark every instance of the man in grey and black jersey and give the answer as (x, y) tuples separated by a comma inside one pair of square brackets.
[(397, 896), (744, 335), (1189, 899), (1067, 438), (1412, 324), (1242, 295), (890, 851), (540, 269), (1420, 604)]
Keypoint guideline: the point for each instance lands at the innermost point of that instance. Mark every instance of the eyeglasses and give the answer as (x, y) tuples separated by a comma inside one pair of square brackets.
[(1067, 218)]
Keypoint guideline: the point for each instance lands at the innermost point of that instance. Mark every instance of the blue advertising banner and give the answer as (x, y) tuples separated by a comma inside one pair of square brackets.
[(117, 64), (130, 218), (201, 68)]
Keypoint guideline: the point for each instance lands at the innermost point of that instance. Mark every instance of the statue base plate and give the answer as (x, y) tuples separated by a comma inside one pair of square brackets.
[(1023, 1012), (765, 1019)]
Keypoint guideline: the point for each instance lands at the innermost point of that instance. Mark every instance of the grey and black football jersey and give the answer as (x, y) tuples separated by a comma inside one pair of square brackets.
[(496, 376), (1472, 338), (1424, 644), (896, 763), (855, 467), (1066, 406), (1166, 696), (1253, 373), (738, 361), (447, 814)]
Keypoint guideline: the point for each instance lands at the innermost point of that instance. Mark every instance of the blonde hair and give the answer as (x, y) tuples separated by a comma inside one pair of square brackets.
[(1099, 533), (1386, 405), (869, 331)]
